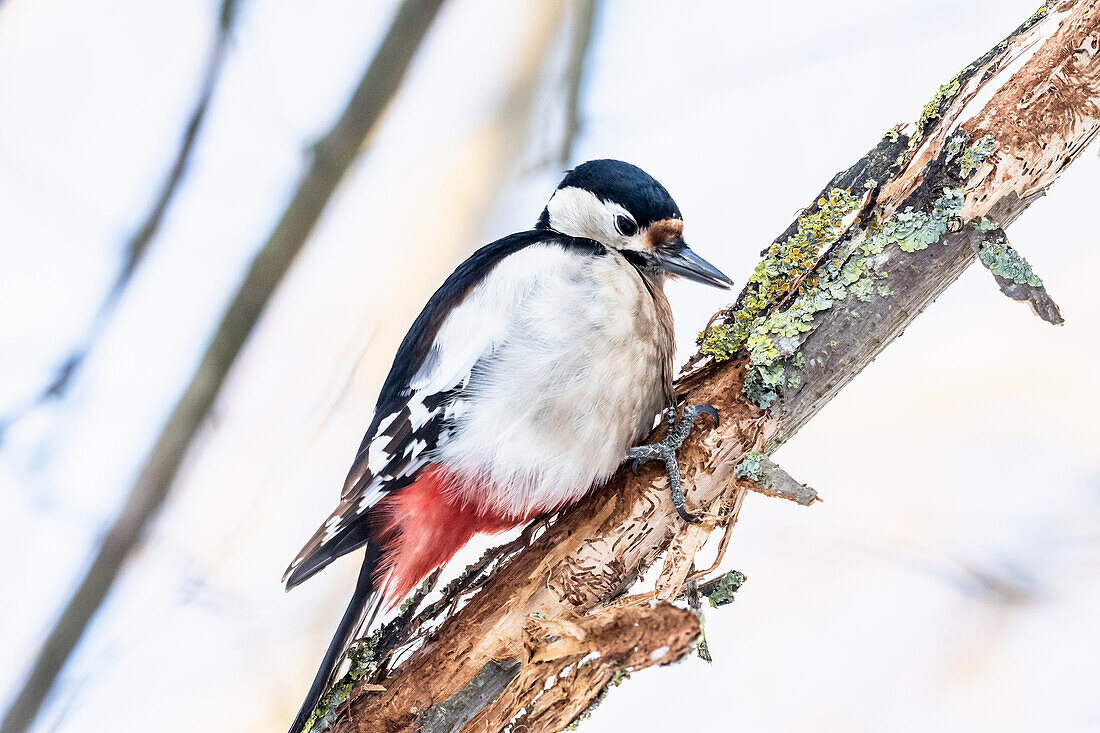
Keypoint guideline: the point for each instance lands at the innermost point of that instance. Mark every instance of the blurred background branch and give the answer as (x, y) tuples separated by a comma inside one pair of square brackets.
[(331, 157), (580, 40), (138, 244)]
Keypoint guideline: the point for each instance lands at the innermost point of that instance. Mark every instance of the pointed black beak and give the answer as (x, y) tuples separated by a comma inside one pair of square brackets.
[(678, 259)]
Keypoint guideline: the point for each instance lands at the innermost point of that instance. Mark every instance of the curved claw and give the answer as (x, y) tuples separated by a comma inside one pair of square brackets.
[(707, 410), (634, 466), (687, 516)]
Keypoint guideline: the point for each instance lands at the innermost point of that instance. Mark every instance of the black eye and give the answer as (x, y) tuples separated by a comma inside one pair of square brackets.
[(626, 225)]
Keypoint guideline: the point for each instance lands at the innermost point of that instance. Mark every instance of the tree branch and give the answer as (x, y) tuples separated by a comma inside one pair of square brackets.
[(332, 156), (139, 242), (876, 247), (584, 12)]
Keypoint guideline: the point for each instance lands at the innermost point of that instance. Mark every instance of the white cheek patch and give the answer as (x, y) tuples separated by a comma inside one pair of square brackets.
[(579, 213)]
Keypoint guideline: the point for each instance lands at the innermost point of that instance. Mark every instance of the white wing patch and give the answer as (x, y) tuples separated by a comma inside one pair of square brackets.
[(332, 526)]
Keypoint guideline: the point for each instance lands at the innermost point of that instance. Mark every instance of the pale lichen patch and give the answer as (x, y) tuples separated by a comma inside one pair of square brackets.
[(725, 589), (1012, 272), (976, 154), (783, 264), (1002, 259), (363, 665), (844, 271)]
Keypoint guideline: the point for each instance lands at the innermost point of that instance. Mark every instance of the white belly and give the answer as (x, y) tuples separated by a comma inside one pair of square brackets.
[(577, 379)]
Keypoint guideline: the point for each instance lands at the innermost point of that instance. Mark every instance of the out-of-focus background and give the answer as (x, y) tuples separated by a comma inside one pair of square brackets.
[(948, 582)]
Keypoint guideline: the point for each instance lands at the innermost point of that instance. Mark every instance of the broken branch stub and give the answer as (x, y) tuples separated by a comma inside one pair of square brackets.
[(1012, 272), (765, 477)]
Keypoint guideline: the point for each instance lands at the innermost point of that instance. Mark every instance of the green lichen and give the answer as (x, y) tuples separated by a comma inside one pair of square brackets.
[(838, 275), (947, 92), (416, 597), (749, 467), (761, 349), (842, 272), (699, 646), (1039, 14), (976, 154), (934, 107), (798, 360), (1004, 261), (721, 341), (783, 263), (915, 230), (984, 225), (863, 289), (727, 586), (363, 664), (933, 110), (762, 385), (955, 144), (850, 272)]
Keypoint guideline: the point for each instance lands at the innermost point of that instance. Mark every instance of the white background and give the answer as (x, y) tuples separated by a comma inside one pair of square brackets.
[(949, 580)]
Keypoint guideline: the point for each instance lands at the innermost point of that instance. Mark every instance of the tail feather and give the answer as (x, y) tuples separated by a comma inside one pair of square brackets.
[(352, 619), (318, 556)]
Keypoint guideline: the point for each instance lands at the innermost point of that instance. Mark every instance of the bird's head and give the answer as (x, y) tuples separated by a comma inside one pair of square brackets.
[(622, 207)]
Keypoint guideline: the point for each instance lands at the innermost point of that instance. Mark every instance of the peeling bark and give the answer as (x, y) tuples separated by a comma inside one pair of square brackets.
[(910, 216), (568, 663)]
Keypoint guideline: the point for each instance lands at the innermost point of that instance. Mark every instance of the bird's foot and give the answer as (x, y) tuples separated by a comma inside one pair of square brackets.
[(666, 451)]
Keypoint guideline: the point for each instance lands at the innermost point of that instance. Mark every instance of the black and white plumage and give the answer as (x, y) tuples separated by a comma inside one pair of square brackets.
[(521, 385)]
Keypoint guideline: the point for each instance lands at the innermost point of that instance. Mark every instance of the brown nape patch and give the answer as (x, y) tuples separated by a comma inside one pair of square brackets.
[(660, 233)]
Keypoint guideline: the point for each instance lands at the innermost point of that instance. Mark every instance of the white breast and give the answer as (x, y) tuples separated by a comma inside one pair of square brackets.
[(572, 375)]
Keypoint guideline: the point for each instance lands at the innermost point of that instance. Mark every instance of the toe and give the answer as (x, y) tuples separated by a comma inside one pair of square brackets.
[(687, 516), (707, 410)]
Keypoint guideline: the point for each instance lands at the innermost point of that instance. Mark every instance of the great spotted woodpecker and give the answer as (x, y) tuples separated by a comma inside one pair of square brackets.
[(522, 385)]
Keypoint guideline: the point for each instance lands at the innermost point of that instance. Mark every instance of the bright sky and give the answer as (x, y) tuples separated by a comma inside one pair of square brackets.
[(948, 581)]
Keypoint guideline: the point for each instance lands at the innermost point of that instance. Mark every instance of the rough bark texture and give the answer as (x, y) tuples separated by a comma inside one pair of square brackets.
[(911, 210)]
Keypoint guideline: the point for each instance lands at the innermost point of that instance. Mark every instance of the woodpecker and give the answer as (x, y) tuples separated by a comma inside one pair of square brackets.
[(523, 384)]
